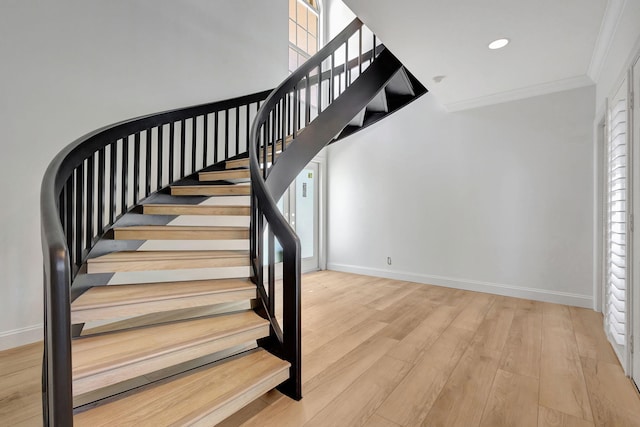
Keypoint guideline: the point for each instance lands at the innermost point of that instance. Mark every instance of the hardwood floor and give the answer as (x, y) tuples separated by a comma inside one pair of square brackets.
[(387, 353)]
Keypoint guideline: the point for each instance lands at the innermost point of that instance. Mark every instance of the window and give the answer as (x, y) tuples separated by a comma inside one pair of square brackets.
[(616, 185), (304, 31)]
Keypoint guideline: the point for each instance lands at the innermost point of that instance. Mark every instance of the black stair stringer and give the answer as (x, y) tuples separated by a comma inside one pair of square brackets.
[(330, 122)]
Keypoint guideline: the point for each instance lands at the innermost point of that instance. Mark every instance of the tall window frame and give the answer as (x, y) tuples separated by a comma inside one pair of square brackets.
[(304, 31)]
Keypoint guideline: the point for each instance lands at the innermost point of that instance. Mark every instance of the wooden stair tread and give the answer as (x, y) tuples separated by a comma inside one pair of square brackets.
[(180, 232), (224, 175), (111, 295), (166, 255), (211, 190), (204, 397), (166, 209), (103, 360)]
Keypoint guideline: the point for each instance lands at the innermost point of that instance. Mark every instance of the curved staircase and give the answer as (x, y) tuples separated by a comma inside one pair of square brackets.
[(159, 241)]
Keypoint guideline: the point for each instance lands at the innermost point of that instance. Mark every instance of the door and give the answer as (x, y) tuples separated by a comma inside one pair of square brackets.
[(635, 290), (304, 203)]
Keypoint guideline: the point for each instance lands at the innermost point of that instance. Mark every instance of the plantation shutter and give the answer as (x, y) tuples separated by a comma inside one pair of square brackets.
[(616, 209)]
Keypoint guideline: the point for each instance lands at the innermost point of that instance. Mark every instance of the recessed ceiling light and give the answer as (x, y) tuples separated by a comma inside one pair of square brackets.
[(498, 44)]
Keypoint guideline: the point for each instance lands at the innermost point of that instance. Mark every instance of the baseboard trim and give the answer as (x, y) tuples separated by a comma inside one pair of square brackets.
[(21, 336), (544, 295)]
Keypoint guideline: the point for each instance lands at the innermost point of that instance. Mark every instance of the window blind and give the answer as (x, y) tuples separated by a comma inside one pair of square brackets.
[(616, 209)]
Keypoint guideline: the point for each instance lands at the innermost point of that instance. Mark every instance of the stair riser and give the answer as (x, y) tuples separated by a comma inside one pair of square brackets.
[(152, 364), (142, 308), (180, 264), (124, 234), (243, 163), (196, 210), (240, 401), (211, 190)]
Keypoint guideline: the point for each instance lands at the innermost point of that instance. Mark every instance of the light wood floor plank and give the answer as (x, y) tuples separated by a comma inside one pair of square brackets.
[(562, 385), (378, 421), (548, 417), (522, 350), (613, 398), (587, 324), (513, 401)]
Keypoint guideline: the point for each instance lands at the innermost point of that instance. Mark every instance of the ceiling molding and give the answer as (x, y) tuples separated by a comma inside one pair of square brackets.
[(610, 21), (516, 94)]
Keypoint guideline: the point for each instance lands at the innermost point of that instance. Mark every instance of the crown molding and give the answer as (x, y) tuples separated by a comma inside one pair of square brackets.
[(608, 28), (516, 94)]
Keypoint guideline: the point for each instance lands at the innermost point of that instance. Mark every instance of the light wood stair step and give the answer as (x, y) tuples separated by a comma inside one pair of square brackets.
[(211, 190), (244, 163), (180, 232), (224, 175), (203, 397), (103, 360), (165, 260), (165, 209), (114, 301)]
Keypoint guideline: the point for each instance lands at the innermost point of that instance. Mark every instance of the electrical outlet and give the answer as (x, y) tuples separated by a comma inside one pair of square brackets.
[(388, 260)]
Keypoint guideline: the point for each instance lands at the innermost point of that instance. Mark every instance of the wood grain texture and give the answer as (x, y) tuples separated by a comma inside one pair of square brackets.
[(522, 350), (513, 401), (211, 190), (166, 260), (206, 396), (224, 175), (180, 232), (160, 209), (104, 360), (562, 384), (586, 324), (336, 307), (106, 302)]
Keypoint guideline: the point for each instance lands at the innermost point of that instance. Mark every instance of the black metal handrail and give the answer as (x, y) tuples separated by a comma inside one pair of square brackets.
[(291, 107), (95, 180)]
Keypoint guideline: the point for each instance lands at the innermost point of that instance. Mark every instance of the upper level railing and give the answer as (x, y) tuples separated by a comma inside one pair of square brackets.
[(276, 157), (98, 178)]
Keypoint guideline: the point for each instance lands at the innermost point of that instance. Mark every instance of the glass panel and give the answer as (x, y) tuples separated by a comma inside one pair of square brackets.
[(305, 211), (313, 45), (292, 32), (313, 24), (302, 15), (301, 59), (302, 38), (293, 59), (292, 9)]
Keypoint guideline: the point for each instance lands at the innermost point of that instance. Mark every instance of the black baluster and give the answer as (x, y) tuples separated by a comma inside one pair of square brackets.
[(90, 201), (331, 81), (360, 51), (114, 182), (215, 137), (125, 174), (160, 158), (237, 130), (226, 134), (194, 143), (172, 151), (205, 140), (136, 168), (183, 149), (248, 125), (147, 170), (307, 100), (101, 190), (69, 199), (79, 212)]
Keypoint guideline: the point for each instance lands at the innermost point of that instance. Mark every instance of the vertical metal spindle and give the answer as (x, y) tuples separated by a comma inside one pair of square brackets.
[(273, 136), (373, 51), (79, 213), (172, 151), (69, 199), (289, 119), (183, 149), (136, 168), (125, 174), (147, 170), (160, 158), (237, 130), (271, 251), (259, 252), (226, 134), (346, 65), (332, 78), (90, 201), (319, 106), (215, 137), (248, 127), (205, 140), (360, 51), (264, 149), (194, 143), (101, 191), (114, 182), (283, 122)]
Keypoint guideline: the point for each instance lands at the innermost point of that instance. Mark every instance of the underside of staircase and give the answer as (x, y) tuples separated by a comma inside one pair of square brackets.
[(160, 307)]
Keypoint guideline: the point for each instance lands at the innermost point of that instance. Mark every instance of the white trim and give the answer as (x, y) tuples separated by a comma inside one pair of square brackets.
[(21, 336), (608, 28), (522, 93), (566, 298)]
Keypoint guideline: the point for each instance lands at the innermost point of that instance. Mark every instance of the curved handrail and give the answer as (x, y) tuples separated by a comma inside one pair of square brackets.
[(75, 212), (278, 120)]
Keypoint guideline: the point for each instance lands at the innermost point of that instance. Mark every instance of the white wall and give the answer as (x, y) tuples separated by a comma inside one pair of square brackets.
[(71, 66), (495, 199)]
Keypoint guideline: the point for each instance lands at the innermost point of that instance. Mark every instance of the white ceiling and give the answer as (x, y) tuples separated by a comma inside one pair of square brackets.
[(552, 44)]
